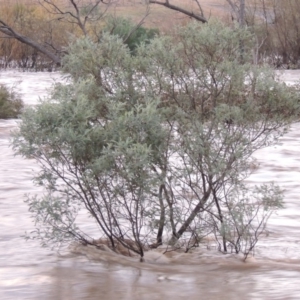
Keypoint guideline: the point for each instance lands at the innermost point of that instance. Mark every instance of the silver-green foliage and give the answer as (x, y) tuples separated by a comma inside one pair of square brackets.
[(157, 144)]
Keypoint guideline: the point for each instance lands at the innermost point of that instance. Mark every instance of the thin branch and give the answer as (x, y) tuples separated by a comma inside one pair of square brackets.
[(200, 7), (135, 28), (76, 15)]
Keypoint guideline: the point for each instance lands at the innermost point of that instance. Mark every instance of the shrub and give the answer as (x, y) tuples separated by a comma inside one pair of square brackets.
[(10, 103), (131, 35), (156, 147)]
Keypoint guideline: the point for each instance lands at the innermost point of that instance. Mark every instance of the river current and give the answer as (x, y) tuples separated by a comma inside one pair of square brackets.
[(28, 271)]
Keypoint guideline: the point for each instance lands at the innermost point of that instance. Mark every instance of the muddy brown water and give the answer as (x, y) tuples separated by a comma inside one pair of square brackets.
[(28, 271)]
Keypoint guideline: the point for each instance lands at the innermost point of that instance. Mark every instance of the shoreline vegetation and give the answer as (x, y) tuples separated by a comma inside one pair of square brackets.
[(11, 105), (275, 25)]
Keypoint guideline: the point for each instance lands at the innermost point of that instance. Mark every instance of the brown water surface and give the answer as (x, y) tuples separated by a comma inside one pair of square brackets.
[(28, 271)]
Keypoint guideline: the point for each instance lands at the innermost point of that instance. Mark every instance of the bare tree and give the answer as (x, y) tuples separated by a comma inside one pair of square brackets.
[(10, 32), (73, 12), (76, 13), (238, 8)]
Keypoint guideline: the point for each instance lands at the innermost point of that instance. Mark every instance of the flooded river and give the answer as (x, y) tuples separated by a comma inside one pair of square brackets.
[(28, 271)]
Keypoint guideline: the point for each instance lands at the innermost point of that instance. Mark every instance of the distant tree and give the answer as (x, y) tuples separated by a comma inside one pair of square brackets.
[(238, 8), (75, 12), (156, 147)]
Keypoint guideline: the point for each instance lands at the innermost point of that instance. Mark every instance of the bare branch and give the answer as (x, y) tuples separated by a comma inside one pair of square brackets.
[(75, 12), (7, 30), (74, 15), (200, 7), (138, 25), (181, 10)]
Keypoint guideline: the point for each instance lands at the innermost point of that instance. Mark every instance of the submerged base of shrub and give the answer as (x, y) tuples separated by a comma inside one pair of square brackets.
[(163, 255)]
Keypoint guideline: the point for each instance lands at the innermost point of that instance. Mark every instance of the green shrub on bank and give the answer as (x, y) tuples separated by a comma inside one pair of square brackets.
[(10, 103)]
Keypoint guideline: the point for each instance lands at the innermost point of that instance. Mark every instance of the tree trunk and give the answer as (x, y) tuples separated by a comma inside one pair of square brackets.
[(242, 13), (190, 219), (7, 30)]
